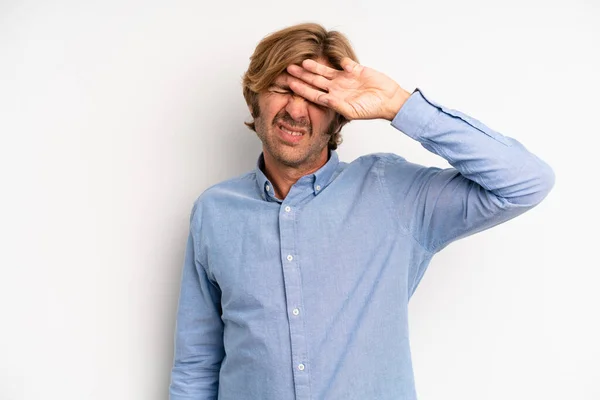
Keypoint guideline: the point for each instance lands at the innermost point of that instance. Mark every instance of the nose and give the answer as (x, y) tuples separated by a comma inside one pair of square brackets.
[(297, 107)]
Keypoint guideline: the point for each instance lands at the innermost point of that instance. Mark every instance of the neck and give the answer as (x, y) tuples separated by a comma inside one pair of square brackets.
[(283, 177)]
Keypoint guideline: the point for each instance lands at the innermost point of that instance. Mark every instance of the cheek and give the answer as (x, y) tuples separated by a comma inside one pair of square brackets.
[(271, 107), (322, 118)]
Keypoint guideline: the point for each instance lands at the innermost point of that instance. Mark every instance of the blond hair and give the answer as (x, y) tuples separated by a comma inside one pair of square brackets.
[(288, 46)]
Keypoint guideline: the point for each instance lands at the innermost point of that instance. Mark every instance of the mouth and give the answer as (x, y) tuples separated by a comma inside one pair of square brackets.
[(289, 134)]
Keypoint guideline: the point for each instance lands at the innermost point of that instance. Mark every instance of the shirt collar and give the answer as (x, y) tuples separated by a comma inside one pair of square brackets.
[(320, 178)]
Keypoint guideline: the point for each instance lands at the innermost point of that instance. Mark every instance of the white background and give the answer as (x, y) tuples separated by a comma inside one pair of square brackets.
[(116, 115)]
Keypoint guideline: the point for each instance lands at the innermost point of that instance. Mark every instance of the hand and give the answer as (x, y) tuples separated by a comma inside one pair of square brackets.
[(357, 92)]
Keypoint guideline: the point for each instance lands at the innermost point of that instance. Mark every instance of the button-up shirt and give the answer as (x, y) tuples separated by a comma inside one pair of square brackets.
[(307, 297)]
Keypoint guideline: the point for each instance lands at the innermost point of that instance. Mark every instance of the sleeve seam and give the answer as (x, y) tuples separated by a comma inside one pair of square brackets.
[(195, 234)]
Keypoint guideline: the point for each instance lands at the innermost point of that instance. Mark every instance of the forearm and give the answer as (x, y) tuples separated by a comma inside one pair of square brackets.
[(498, 163)]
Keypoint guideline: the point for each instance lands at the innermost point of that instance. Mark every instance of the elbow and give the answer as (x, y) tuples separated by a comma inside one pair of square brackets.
[(550, 180), (545, 183), (536, 188)]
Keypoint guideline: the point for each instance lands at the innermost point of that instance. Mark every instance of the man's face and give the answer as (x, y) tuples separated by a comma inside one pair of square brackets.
[(294, 131)]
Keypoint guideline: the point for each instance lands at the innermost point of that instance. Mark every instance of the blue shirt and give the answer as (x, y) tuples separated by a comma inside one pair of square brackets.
[(307, 298)]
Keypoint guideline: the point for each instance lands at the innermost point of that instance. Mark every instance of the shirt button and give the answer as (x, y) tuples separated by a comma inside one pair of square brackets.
[(295, 311), (288, 209), (318, 187), (268, 188), (289, 257), (301, 367)]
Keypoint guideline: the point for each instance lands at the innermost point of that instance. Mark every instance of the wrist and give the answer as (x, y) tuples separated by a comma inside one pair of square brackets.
[(397, 101)]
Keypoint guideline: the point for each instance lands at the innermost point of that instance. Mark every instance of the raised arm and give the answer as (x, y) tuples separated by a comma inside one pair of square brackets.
[(494, 178)]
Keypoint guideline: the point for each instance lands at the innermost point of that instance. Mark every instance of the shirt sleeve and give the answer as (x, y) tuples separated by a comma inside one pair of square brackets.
[(494, 177), (199, 330)]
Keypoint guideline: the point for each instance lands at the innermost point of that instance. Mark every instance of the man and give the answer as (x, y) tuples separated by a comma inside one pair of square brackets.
[(297, 275)]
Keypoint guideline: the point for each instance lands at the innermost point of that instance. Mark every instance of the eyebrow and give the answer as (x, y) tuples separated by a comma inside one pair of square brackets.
[(280, 86)]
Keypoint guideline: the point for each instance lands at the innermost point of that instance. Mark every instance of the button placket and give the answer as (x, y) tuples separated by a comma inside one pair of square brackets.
[(293, 295)]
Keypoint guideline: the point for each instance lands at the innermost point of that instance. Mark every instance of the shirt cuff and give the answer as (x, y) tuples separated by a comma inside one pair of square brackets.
[(415, 114)]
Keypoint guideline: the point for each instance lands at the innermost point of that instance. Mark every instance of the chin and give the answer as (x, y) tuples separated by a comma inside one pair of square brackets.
[(290, 160)]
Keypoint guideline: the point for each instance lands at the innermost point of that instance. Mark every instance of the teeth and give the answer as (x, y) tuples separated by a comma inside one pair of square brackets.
[(291, 132)]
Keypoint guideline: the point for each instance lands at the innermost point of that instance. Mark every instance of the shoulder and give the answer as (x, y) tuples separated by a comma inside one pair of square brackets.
[(225, 192), (394, 170), (236, 185), (375, 158), (377, 161)]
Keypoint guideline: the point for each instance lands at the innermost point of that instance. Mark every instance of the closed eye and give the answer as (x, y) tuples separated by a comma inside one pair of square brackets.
[(280, 91)]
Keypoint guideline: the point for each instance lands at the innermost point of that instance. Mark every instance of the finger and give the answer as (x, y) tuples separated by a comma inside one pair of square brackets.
[(318, 68), (309, 93), (308, 77), (348, 64)]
